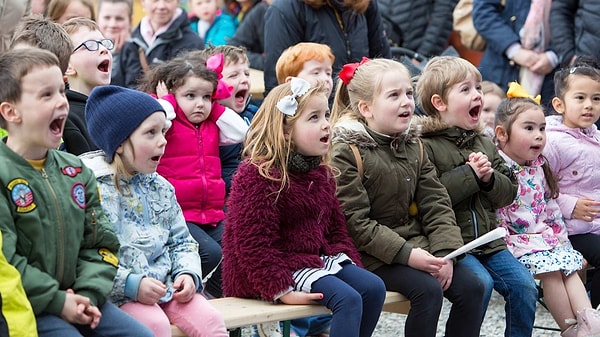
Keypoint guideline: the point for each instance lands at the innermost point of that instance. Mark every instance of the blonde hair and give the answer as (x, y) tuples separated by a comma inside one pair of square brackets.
[(364, 85), (489, 87), (267, 145), (438, 76), (119, 170), (73, 25), (291, 61), (56, 8)]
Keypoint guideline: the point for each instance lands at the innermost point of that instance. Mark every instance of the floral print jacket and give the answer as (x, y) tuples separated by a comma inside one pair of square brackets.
[(533, 221)]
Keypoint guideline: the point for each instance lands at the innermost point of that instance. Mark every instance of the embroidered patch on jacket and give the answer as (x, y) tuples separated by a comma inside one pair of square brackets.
[(21, 195), (71, 171), (108, 257), (78, 194)]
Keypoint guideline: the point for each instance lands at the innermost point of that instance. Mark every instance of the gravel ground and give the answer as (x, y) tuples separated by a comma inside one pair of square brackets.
[(392, 325)]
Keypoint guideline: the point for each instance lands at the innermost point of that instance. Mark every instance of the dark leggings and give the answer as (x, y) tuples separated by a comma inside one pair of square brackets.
[(426, 296), (589, 246), (355, 297), (209, 248)]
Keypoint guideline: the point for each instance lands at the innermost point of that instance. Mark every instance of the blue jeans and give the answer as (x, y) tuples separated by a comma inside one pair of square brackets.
[(355, 296), (209, 248), (503, 272), (114, 322)]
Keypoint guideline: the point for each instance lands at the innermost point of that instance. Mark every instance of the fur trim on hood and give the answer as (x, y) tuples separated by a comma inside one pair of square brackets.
[(96, 161), (350, 130), (430, 124)]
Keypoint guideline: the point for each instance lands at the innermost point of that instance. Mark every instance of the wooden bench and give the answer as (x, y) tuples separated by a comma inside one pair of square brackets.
[(241, 312)]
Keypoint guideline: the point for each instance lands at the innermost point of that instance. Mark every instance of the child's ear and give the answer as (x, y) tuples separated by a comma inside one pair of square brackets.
[(70, 71), (119, 149), (558, 105), (438, 103), (365, 109), (9, 113), (501, 135)]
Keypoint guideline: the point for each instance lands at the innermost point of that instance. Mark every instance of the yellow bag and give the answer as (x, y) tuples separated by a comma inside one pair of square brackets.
[(462, 21)]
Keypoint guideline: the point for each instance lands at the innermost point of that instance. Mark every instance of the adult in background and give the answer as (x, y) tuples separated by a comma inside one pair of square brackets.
[(161, 35), (351, 28), (11, 12), (250, 34)]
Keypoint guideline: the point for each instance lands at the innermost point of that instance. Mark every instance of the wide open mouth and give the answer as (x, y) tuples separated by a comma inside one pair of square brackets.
[(103, 66), (57, 125), (475, 111)]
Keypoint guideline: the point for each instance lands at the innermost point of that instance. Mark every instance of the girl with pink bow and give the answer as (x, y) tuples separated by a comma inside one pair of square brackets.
[(191, 160)]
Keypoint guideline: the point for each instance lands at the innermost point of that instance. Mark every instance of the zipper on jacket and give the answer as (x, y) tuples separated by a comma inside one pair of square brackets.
[(474, 217), (61, 227), (94, 224)]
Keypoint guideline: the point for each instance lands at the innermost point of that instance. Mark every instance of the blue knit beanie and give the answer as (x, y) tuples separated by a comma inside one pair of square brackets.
[(112, 113)]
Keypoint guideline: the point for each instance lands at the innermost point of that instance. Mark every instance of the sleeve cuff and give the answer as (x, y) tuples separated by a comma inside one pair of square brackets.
[(132, 284)]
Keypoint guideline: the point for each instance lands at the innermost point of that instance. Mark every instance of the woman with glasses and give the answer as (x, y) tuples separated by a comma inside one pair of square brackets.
[(89, 66)]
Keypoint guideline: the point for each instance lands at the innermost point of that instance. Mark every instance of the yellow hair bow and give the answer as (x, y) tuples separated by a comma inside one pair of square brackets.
[(515, 90)]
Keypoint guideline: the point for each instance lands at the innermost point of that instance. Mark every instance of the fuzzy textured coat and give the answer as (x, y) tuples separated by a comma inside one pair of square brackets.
[(269, 235)]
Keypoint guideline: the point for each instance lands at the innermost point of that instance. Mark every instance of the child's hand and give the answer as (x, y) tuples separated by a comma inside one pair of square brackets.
[(444, 276), (586, 209), (161, 89), (481, 165), (184, 288), (77, 309), (299, 297), (422, 260), (150, 291)]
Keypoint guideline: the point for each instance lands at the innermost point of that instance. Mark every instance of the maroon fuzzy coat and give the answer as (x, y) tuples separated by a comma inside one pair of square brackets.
[(268, 237)]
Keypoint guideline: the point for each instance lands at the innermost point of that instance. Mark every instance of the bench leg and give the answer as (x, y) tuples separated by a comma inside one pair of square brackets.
[(237, 332), (287, 327)]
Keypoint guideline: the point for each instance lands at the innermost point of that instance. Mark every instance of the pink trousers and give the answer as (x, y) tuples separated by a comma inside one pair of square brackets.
[(197, 318)]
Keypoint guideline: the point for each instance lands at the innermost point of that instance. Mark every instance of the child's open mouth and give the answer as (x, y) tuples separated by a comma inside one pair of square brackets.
[(241, 96), (325, 139), (155, 158), (103, 66), (56, 126), (474, 112)]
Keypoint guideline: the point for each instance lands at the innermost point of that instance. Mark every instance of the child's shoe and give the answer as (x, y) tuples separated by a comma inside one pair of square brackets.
[(588, 323), (571, 331)]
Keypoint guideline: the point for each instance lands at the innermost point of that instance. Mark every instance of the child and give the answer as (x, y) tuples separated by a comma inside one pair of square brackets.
[(537, 232), (61, 11), (114, 21), (572, 153), (160, 36), (236, 74), (374, 106), (89, 66), (308, 60), (159, 272), (492, 96), (16, 315), (477, 180), (210, 23), (55, 231), (191, 159), (285, 238)]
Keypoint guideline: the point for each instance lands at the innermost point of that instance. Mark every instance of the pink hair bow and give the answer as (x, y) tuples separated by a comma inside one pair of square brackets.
[(349, 69), (215, 63)]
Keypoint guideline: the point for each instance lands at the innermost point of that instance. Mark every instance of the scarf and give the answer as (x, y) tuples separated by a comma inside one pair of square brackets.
[(298, 163), (535, 36)]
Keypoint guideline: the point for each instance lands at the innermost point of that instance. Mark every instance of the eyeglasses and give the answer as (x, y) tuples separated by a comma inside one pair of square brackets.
[(93, 45)]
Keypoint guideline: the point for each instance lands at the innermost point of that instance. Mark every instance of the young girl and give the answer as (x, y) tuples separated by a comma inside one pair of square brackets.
[(286, 239), (159, 272), (381, 187), (572, 153), (537, 232), (191, 160), (492, 96), (210, 23)]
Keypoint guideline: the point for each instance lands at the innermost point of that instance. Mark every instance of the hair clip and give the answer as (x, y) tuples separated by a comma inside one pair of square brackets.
[(349, 69), (515, 90), (288, 104), (215, 63)]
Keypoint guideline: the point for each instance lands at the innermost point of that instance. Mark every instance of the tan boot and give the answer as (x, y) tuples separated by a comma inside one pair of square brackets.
[(588, 323)]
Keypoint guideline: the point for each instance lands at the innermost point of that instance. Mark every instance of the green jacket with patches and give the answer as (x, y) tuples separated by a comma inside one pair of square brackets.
[(376, 205), (55, 232), (473, 201)]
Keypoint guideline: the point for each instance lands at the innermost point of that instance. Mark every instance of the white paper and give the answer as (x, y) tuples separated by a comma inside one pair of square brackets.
[(497, 233)]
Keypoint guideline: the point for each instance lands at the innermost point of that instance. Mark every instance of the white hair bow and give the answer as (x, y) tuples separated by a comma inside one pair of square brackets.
[(288, 104)]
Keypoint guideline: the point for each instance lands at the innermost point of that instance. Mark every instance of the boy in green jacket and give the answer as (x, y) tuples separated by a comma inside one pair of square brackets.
[(55, 233), (477, 180)]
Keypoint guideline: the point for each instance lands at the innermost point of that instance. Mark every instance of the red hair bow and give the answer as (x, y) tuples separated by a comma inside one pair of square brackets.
[(349, 69)]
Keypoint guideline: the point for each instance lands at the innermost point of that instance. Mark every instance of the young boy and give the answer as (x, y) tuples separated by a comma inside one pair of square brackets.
[(114, 21), (207, 20), (478, 182), (492, 96), (308, 60), (89, 66), (55, 232)]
